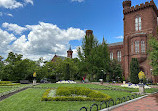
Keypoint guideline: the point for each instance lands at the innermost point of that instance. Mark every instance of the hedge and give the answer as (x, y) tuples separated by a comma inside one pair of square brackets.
[(13, 84), (75, 94), (5, 82)]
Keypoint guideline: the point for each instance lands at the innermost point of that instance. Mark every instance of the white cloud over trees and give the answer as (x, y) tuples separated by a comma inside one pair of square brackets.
[(43, 40)]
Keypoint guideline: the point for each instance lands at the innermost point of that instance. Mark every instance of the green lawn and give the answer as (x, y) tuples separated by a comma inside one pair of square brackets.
[(30, 99), (5, 89), (54, 85)]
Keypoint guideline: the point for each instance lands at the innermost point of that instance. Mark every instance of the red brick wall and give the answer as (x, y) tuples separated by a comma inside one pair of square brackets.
[(148, 13), (149, 26)]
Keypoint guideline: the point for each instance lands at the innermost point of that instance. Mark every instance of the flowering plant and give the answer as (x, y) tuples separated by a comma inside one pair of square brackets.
[(65, 82)]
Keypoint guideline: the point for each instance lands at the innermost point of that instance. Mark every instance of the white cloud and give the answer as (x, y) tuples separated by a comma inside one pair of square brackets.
[(29, 1), (77, 0), (44, 40), (9, 14), (5, 41), (119, 37), (10, 4), (14, 27)]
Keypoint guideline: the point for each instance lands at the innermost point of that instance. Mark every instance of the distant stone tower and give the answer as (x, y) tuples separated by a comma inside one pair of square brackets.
[(69, 53), (89, 32)]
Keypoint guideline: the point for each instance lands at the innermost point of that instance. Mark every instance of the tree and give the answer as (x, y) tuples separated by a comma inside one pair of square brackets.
[(1, 67), (153, 54), (134, 70), (115, 71), (17, 69), (94, 58), (87, 55)]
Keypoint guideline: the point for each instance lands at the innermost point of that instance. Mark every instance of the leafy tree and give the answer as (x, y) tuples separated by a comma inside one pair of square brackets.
[(70, 68), (1, 67), (87, 55), (153, 54), (94, 58), (115, 71), (134, 70)]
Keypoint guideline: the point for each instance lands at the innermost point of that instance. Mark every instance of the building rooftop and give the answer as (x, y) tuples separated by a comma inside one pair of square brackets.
[(114, 44)]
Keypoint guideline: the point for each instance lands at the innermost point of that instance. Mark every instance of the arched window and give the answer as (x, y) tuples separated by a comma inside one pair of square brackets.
[(136, 46), (138, 23), (111, 56), (143, 46), (119, 55), (132, 47)]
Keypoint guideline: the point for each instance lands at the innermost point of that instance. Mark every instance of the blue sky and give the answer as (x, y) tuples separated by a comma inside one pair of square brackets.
[(40, 28)]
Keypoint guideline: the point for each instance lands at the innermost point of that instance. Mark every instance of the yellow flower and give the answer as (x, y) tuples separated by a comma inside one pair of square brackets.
[(34, 74), (141, 75)]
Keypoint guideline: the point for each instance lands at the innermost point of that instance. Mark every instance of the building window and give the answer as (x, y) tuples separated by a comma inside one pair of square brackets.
[(119, 55), (132, 47), (111, 56), (138, 26), (136, 46), (143, 46)]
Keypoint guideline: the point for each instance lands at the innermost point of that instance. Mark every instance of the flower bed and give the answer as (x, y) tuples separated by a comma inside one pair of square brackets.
[(74, 94), (134, 86), (66, 82)]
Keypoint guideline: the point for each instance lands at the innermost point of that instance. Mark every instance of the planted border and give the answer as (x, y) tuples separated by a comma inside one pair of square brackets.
[(75, 94)]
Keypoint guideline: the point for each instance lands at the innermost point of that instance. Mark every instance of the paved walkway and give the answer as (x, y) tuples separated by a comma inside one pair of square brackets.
[(149, 103)]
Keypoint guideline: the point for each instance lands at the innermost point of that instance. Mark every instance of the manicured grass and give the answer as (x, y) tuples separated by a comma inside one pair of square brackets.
[(55, 85), (30, 100), (6, 89)]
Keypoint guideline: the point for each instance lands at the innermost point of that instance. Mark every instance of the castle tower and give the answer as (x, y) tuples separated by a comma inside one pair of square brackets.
[(89, 33), (126, 4), (69, 53), (139, 22)]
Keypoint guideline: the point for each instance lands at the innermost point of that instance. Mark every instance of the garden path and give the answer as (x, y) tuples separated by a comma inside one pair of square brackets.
[(149, 103)]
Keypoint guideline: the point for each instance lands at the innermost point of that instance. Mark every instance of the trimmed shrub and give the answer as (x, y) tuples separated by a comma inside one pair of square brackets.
[(63, 91), (75, 94), (5, 82), (13, 84)]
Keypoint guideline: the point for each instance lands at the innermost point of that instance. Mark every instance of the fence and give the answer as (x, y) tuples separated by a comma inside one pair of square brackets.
[(109, 103)]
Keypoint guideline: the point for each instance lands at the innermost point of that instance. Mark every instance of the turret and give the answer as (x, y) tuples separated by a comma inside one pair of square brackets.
[(126, 4), (89, 32), (69, 53)]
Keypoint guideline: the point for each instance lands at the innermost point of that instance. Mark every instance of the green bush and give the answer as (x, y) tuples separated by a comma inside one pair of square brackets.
[(5, 82), (13, 84), (63, 91), (81, 94)]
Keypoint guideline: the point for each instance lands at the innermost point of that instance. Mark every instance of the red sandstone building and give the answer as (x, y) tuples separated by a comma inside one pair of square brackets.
[(139, 22), (69, 55)]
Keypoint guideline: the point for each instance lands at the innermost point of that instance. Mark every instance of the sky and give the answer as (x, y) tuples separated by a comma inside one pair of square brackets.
[(41, 28)]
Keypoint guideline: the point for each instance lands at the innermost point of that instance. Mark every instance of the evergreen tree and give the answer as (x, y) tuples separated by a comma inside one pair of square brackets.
[(134, 70)]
